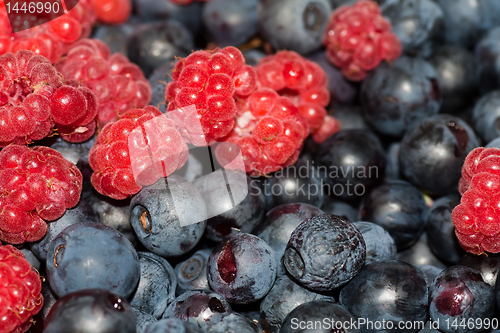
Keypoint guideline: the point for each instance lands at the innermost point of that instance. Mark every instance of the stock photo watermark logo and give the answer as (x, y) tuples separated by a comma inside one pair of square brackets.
[(27, 14), (225, 160)]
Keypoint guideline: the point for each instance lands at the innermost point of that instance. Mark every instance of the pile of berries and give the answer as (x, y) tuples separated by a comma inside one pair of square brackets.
[(358, 38)]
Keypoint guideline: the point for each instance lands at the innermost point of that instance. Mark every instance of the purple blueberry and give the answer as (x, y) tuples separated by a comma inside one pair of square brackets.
[(488, 266), (192, 273), (325, 252), (379, 244), (172, 325)]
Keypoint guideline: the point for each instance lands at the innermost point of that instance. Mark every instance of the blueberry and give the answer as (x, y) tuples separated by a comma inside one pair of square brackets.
[(390, 290), (172, 325), (83, 212), (399, 208), (233, 322), (156, 216), (319, 317), (153, 44), (434, 144), (91, 311), (157, 285), (488, 266), (49, 299), (459, 293), (230, 22), (495, 143), (201, 307), (158, 80), (285, 296), (456, 69), (92, 255), (32, 259), (486, 116), (142, 320), (325, 252), (116, 36), (340, 208), (279, 224), (379, 244), (392, 170), (431, 272), (76, 153), (296, 25), (487, 55), (441, 230), (416, 23), (350, 162), (350, 117), (192, 273), (253, 56), (242, 268), (419, 254), (394, 95)]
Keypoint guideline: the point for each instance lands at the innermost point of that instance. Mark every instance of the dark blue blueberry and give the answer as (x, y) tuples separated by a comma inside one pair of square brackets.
[(49, 299), (392, 171), (156, 216), (92, 255), (319, 317), (420, 254), (76, 153), (340, 208), (230, 22), (234, 322), (325, 252), (379, 244), (460, 293), (456, 69), (441, 230), (172, 325), (417, 23), (117, 37), (495, 143), (285, 296), (399, 208), (83, 212), (157, 284), (32, 259), (91, 311), (350, 162), (434, 144), (431, 272), (488, 266), (158, 81), (279, 224), (390, 290), (153, 44), (487, 56), (395, 95), (350, 117), (192, 273), (142, 320), (200, 307), (242, 268), (296, 25), (486, 116)]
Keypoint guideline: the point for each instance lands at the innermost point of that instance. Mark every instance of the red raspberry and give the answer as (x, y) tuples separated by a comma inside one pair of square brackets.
[(37, 184), (135, 151), (33, 99), (20, 291), (113, 11), (118, 84), (358, 38), (477, 218), (211, 81)]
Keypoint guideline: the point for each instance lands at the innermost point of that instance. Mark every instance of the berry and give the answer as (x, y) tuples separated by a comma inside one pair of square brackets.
[(113, 11), (476, 221), (38, 184), (358, 38), (121, 157), (20, 291)]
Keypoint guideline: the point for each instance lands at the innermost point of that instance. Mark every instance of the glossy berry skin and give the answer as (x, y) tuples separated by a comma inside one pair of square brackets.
[(113, 11), (486, 55), (302, 24), (242, 268), (488, 266), (434, 144), (441, 231), (379, 290), (279, 224), (199, 307), (91, 311), (154, 217), (387, 105), (379, 244), (157, 284), (392, 171), (314, 311), (192, 273), (350, 162), (20, 288), (399, 208), (172, 325), (325, 252), (460, 293), (486, 114), (282, 299), (83, 256)]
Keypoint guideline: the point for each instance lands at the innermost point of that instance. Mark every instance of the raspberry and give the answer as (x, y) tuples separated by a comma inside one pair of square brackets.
[(37, 184), (143, 136), (358, 38), (118, 84), (476, 218), (34, 99), (113, 11), (20, 291), (211, 81)]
